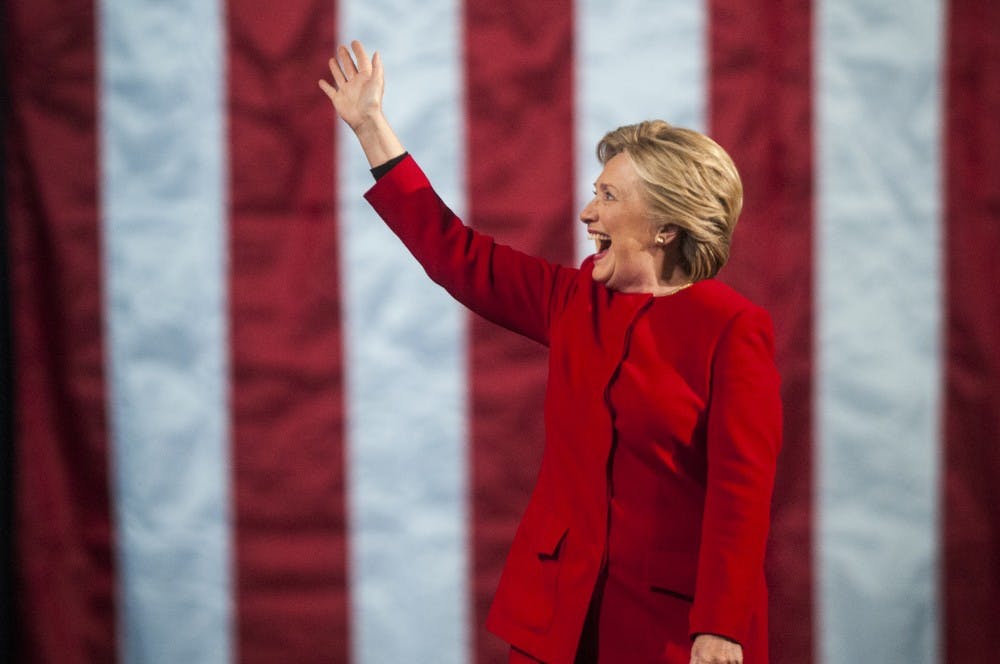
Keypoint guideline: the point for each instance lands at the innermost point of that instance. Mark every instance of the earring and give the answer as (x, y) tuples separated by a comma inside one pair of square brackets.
[(660, 239)]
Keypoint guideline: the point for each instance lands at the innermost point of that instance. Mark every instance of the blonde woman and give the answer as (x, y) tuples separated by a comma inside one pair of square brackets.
[(644, 537)]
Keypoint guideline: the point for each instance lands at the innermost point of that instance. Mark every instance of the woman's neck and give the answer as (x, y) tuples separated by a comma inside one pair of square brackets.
[(673, 277)]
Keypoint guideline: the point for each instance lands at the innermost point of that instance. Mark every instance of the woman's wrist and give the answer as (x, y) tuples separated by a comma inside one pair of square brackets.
[(377, 139)]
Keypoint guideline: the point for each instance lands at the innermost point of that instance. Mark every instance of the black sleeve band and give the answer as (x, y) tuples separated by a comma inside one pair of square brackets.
[(382, 169)]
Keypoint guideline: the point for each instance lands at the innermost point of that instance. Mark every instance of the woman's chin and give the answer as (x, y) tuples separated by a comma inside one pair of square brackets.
[(601, 273)]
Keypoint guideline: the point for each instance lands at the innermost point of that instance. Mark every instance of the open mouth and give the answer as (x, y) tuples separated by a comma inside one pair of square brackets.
[(601, 240)]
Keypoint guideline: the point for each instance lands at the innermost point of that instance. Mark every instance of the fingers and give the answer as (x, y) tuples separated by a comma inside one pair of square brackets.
[(364, 64), (343, 67), (711, 649), (338, 75), (328, 89), (346, 62)]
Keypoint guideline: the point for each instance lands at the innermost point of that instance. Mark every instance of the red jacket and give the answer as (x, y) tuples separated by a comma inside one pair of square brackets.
[(662, 423)]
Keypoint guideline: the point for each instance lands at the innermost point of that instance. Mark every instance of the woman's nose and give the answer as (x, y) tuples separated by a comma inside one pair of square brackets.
[(587, 214)]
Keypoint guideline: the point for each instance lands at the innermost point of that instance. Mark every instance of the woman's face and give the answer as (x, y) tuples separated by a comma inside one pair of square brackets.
[(617, 219)]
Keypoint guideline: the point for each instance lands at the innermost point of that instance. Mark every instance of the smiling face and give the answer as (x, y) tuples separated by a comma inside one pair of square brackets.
[(628, 259)]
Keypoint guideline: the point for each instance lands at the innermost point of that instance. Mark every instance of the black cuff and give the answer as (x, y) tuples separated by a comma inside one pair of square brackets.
[(382, 169)]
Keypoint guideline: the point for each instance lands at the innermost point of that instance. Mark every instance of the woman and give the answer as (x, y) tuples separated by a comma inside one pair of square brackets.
[(644, 537)]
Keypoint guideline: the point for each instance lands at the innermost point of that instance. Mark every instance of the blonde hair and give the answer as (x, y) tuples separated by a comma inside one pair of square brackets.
[(690, 181)]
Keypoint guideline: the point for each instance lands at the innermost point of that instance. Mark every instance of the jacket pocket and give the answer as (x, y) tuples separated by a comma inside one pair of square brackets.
[(549, 540), (672, 573), (530, 582)]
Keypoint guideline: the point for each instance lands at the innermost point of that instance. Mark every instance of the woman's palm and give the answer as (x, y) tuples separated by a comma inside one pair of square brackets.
[(357, 87)]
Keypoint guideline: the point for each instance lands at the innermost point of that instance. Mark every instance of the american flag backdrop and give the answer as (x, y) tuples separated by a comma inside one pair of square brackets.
[(245, 427)]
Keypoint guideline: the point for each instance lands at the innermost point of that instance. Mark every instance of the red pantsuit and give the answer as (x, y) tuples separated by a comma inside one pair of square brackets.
[(662, 422)]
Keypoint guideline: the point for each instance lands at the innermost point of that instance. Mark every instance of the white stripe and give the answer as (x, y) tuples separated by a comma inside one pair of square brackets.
[(405, 344), (162, 150), (635, 60), (878, 320)]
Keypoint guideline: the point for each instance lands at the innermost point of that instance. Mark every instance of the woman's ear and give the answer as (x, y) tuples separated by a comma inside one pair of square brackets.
[(666, 234)]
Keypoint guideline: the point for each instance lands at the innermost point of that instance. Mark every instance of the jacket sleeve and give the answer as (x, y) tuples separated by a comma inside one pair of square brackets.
[(743, 439), (510, 288)]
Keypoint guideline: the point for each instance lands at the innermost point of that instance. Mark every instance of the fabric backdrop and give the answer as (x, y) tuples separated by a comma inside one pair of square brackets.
[(247, 428)]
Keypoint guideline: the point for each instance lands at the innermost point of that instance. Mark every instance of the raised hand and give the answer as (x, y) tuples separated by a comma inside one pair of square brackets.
[(357, 87), (356, 94)]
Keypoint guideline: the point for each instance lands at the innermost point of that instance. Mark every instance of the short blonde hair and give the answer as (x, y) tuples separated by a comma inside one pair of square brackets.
[(691, 182)]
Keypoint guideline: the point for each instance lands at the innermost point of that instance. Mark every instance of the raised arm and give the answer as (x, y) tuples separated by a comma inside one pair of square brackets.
[(356, 93), (510, 288)]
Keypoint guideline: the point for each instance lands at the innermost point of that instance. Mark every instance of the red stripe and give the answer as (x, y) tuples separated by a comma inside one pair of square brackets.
[(519, 72), (760, 101), (287, 394), (66, 605), (971, 577)]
